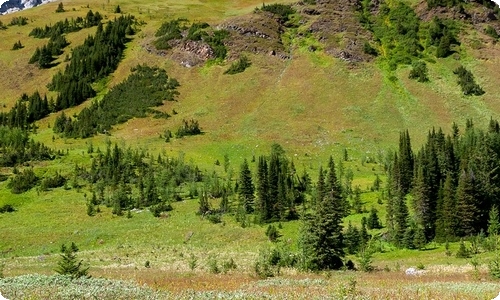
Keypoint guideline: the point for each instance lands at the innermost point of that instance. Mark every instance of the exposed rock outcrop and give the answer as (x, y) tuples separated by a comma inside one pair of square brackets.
[(10, 6)]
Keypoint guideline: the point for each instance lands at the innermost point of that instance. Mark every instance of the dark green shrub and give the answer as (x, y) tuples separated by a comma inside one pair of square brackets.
[(52, 182), (283, 11), (467, 82), (190, 127), (157, 209), (7, 208), (419, 72), (238, 66), (19, 21), (23, 181), (17, 45), (272, 233), (491, 32)]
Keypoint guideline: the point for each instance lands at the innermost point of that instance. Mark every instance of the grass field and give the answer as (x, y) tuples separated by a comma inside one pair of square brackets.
[(314, 105)]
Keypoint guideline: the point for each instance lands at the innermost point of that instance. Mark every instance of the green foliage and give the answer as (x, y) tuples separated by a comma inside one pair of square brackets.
[(67, 26), (467, 82), (50, 182), (397, 27), (168, 31), (195, 32), (23, 181), (144, 88), (365, 260), (419, 72), (238, 66), (282, 11), (188, 127), (462, 251), (118, 10), (97, 57), (322, 240), (46, 55), (369, 49), (489, 30), (69, 264), (493, 221), (19, 21), (246, 190), (373, 221), (17, 148), (159, 208), (272, 233), (7, 208)]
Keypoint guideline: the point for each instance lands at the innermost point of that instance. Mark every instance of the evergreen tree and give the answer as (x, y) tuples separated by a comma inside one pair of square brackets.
[(325, 240), (69, 264), (60, 8), (246, 188), (373, 221), (400, 219), (493, 222), (447, 219), (263, 205), (352, 239), (406, 163), (468, 215)]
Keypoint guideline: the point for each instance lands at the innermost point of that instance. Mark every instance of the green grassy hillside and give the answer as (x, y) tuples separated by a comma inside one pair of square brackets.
[(299, 92)]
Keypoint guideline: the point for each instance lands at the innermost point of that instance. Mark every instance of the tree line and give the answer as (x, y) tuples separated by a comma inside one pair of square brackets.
[(446, 190), (96, 58), (67, 26)]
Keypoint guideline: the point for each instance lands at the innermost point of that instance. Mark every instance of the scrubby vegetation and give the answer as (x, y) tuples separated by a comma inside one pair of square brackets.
[(146, 87), (97, 57)]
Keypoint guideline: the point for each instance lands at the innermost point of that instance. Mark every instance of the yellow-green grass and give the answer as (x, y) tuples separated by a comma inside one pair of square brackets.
[(313, 105)]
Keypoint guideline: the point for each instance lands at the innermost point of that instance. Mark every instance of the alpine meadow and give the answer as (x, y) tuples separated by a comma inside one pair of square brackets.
[(192, 149)]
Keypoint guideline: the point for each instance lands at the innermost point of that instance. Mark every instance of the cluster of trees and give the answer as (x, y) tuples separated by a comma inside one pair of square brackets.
[(419, 72), (96, 58), (46, 55), (277, 190), (144, 88), (467, 82), (26, 110), (446, 190), (125, 179), (173, 31), (23, 181), (67, 26), (16, 148)]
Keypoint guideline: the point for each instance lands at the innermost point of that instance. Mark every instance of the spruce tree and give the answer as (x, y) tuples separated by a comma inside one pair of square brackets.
[(373, 221), (325, 240), (352, 239), (69, 264), (446, 224), (246, 188), (468, 214), (493, 222)]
